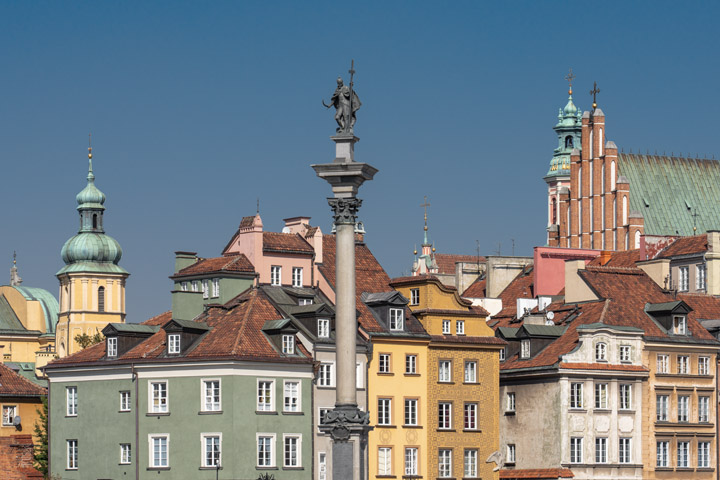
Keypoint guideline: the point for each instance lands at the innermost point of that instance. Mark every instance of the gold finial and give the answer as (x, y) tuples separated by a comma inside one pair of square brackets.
[(570, 77), (594, 92), (425, 205), (90, 146), (14, 258)]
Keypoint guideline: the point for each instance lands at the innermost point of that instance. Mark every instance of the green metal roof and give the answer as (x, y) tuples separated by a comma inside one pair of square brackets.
[(192, 324), (27, 371), (275, 324), (49, 304), (8, 318), (667, 191), (544, 330), (621, 328), (508, 332), (662, 307), (134, 328)]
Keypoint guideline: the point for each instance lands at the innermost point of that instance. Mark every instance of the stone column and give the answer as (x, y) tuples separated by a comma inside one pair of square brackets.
[(346, 424)]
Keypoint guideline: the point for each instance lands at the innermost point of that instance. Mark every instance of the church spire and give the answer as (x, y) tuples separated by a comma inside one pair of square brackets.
[(568, 129), (15, 278)]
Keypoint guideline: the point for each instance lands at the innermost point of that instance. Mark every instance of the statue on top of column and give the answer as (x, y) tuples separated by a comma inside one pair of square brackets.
[(346, 103)]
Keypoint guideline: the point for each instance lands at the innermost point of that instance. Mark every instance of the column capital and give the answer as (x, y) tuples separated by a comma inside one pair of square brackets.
[(345, 210), (343, 421)]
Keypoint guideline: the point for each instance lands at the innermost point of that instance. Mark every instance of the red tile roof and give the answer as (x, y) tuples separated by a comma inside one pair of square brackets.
[(685, 246), (476, 289), (446, 261), (160, 319), (247, 222), (236, 262), (537, 473), (521, 287), (14, 385), (626, 258), (468, 339), (705, 307), (473, 311), (286, 243)]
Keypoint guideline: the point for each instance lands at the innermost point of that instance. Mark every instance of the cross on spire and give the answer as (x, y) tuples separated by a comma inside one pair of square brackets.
[(594, 92), (694, 214), (570, 77), (425, 205)]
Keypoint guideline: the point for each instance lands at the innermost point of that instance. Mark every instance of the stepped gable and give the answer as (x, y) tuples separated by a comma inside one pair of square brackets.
[(696, 244), (235, 262), (286, 243), (14, 385), (446, 261), (477, 289), (625, 258)]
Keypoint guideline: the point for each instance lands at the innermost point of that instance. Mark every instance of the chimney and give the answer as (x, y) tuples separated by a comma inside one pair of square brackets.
[(605, 257), (184, 259), (712, 263), (576, 290)]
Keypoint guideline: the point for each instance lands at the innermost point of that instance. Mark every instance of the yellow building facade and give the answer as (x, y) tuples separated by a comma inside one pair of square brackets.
[(462, 380)]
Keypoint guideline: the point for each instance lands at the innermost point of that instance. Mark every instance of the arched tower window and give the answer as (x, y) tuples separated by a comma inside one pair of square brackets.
[(94, 221), (592, 139), (600, 146), (625, 211), (101, 299), (554, 211), (612, 175), (637, 238), (569, 141)]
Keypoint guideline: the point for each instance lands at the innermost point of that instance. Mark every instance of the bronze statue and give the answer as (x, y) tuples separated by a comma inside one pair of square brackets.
[(346, 103)]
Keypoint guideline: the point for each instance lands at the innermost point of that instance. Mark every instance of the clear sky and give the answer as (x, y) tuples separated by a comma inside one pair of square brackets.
[(199, 108)]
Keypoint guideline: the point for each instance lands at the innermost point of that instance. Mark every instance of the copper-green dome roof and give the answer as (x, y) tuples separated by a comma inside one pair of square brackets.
[(90, 196)]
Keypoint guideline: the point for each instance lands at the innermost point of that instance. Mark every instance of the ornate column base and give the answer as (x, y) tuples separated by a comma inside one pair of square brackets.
[(348, 426)]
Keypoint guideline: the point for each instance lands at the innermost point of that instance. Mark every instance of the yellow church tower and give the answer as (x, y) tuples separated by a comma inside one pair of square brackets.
[(92, 284)]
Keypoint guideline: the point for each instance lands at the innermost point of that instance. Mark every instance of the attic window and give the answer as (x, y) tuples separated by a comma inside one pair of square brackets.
[(525, 348), (288, 344), (305, 301), (323, 327), (601, 352), (174, 344), (396, 319), (679, 325), (112, 347)]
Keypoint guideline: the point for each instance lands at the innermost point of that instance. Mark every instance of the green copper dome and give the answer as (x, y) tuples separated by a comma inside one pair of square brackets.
[(568, 129), (570, 109), (90, 196)]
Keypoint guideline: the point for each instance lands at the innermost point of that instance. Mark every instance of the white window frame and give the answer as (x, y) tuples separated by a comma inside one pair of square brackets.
[(411, 411), (125, 401), (502, 354), (322, 411), (195, 285), (207, 401), (525, 348), (510, 402), (470, 463), (662, 404), (396, 319), (326, 375), (151, 450), (445, 371), (683, 278), (414, 296), (703, 365), (624, 450), (384, 411), (206, 288), (410, 364), (470, 416), (275, 275), (459, 327), (270, 461), (471, 371), (576, 395), (662, 453), (703, 454), (385, 460), (601, 396), (625, 353), (384, 363), (663, 363), (625, 391), (683, 454), (576, 449), (71, 401), (184, 286), (112, 350), (297, 438), (683, 364), (173, 344), (163, 403), (703, 409), (322, 465), (446, 326), (297, 277), (292, 399), (700, 277), (288, 344), (601, 352), (71, 454), (215, 287), (445, 416), (445, 469), (263, 404), (683, 414), (411, 460), (204, 450), (125, 454), (601, 451), (9, 412), (323, 328), (511, 450), (679, 325)]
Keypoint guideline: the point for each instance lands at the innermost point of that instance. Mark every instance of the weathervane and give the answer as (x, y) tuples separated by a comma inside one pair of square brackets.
[(425, 205), (570, 77), (594, 92), (346, 103)]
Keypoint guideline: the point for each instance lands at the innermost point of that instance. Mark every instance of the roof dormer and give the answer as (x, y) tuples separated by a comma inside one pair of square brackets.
[(389, 308), (182, 334), (123, 337), (672, 316)]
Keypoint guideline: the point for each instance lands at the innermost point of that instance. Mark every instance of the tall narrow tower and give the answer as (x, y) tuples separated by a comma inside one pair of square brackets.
[(569, 131), (92, 284)]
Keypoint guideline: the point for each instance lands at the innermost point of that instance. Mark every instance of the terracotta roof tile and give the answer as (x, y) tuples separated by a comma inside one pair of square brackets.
[(473, 311), (286, 242), (160, 319), (446, 261), (537, 473), (705, 307), (13, 384), (476, 289), (521, 287), (468, 339), (247, 222), (227, 263), (626, 258), (685, 246)]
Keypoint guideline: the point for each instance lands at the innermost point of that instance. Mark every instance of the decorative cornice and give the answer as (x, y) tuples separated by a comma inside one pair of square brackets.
[(345, 210), (342, 422)]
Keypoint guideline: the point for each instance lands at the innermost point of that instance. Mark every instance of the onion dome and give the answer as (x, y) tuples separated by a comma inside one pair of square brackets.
[(568, 130), (90, 196)]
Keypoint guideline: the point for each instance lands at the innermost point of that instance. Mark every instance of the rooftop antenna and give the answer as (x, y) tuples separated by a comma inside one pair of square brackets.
[(499, 249), (258, 206), (477, 243), (513, 246)]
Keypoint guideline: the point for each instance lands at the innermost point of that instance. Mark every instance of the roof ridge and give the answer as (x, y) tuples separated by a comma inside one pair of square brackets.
[(251, 305), (23, 379), (622, 270)]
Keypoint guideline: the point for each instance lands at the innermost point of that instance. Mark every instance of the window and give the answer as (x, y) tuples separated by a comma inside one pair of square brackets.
[(384, 363), (265, 457), (601, 391), (470, 417), (72, 401), (111, 346), (625, 396), (445, 371), (384, 461), (265, 397), (683, 408), (470, 372), (195, 286), (663, 363), (624, 353), (576, 395), (445, 463), (125, 401), (601, 352), (700, 277), (322, 466), (682, 364), (275, 275), (305, 301), (679, 325), (703, 409), (410, 364), (215, 287), (661, 406), (8, 414), (159, 451), (601, 450), (662, 453), (510, 453), (158, 397), (325, 375), (288, 344), (446, 327), (445, 415), (411, 411), (297, 277), (125, 453), (460, 327), (683, 279), (470, 463), (291, 456), (411, 461), (510, 402), (323, 327), (703, 455), (211, 450), (502, 355), (359, 375), (703, 365), (291, 396), (396, 319), (205, 289), (576, 449), (414, 296), (174, 343), (184, 287), (101, 299), (72, 454), (525, 348), (624, 450), (211, 395), (683, 450), (384, 411)]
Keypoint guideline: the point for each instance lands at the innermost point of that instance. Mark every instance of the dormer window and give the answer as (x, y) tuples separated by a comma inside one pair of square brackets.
[(679, 325), (174, 343), (323, 327), (525, 348), (305, 301), (288, 344), (112, 347), (396, 319), (601, 352), (216, 287)]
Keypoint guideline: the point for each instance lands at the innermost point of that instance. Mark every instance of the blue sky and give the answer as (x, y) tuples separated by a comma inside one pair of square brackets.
[(199, 108)]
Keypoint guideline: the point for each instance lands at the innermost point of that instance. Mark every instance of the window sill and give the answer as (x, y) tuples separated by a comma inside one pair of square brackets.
[(210, 468), (385, 476), (152, 469), (663, 469), (266, 412), (449, 430), (385, 374), (577, 410), (471, 383), (210, 412), (622, 410), (266, 468), (124, 464), (293, 413), (407, 375), (385, 426), (293, 468), (602, 410), (71, 416), (157, 414), (71, 469), (446, 383), (412, 426), (472, 430), (510, 413), (124, 411)]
